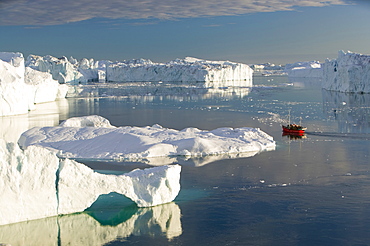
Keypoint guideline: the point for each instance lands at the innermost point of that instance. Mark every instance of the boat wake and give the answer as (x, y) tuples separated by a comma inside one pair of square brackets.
[(362, 136)]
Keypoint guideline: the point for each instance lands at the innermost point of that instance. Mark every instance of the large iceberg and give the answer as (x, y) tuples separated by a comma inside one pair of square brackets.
[(209, 73), (21, 87), (350, 72), (140, 143), (35, 184)]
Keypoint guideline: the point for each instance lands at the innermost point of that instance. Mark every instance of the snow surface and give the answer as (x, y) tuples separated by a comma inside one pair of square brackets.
[(21, 87), (84, 229), (140, 143), (35, 184), (350, 72), (311, 69)]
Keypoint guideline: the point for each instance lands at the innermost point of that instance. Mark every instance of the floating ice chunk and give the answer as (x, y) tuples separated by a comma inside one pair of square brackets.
[(138, 143), (86, 121), (35, 184), (79, 186)]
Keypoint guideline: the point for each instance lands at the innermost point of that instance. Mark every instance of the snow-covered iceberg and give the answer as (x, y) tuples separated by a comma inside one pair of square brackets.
[(190, 70), (350, 72), (35, 184), (311, 69), (140, 143)]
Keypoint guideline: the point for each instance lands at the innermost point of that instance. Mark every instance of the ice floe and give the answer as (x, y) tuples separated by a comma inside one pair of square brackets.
[(140, 143), (35, 184)]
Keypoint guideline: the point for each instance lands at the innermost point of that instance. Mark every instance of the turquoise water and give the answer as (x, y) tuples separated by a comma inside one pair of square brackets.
[(309, 191)]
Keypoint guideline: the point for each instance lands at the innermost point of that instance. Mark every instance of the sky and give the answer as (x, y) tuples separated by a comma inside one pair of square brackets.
[(247, 31)]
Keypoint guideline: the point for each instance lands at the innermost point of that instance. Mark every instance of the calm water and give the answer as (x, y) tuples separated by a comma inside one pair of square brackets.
[(309, 191)]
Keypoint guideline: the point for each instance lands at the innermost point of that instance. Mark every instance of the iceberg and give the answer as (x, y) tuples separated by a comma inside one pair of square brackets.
[(311, 69), (140, 143), (60, 68), (190, 70), (268, 69), (35, 184), (350, 72), (46, 89), (21, 87), (15, 95)]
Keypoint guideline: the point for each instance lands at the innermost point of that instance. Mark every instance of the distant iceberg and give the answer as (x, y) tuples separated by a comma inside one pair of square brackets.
[(35, 184), (311, 69), (350, 72), (188, 70), (142, 143)]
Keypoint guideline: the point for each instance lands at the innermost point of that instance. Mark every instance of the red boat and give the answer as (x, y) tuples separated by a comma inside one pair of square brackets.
[(294, 129)]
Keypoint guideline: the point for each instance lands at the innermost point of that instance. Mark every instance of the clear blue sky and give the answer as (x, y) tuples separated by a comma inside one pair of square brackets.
[(162, 30)]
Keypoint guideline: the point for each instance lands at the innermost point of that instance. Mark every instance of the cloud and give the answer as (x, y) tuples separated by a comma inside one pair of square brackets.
[(52, 12)]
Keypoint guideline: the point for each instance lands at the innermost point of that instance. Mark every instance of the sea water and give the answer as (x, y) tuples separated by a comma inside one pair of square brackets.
[(311, 190)]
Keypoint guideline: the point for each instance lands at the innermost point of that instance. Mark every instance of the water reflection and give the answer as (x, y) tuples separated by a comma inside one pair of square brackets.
[(85, 229), (45, 114), (195, 161), (147, 92), (350, 110)]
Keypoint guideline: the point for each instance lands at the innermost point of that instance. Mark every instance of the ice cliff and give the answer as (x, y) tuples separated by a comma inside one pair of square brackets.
[(21, 87), (350, 72), (35, 184), (142, 143)]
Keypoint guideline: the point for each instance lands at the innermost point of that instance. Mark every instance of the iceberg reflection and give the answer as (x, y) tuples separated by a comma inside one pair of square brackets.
[(148, 91), (46, 114), (84, 229), (350, 110)]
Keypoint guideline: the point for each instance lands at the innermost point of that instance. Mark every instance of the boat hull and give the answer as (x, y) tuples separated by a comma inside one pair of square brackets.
[(293, 131)]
